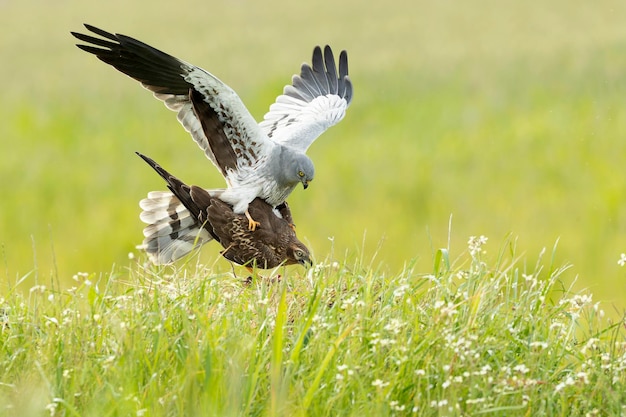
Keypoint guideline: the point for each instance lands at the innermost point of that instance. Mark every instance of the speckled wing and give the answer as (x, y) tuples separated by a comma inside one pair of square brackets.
[(171, 80), (316, 100), (233, 150)]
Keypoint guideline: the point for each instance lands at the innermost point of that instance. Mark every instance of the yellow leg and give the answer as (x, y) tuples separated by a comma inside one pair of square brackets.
[(252, 224)]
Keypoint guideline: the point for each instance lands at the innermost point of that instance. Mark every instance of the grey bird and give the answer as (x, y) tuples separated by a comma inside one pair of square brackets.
[(266, 160), (191, 216)]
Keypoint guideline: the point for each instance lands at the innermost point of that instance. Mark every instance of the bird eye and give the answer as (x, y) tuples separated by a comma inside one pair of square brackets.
[(299, 253), (300, 174)]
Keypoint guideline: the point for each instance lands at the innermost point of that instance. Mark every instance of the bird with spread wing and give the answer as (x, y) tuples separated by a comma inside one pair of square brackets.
[(265, 160), (191, 216)]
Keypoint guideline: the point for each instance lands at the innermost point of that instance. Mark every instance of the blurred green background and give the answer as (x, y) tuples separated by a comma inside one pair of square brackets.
[(507, 115)]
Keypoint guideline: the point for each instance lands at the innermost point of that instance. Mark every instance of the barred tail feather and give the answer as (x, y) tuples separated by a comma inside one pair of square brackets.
[(172, 231)]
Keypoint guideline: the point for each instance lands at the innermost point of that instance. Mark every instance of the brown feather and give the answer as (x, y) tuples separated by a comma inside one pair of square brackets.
[(273, 243), (214, 131)]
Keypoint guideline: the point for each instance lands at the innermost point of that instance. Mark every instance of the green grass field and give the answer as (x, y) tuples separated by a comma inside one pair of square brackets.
[(504, 119), (479, 335)]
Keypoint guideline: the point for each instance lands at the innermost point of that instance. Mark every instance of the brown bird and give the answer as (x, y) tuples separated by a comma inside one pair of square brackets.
[(191, 216)]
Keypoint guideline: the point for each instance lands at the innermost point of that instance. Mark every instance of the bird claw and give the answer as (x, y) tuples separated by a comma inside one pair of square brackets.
[(252, 224)]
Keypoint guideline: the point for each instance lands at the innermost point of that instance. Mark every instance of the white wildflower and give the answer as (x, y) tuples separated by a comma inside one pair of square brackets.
[(52, 407), (475, 244), (399, 292), (379, 383), (521, 369), (474, 401), (583, 376), (540, 345), (38, 288)]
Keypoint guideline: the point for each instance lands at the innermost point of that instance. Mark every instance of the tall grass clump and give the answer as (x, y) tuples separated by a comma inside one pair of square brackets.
[(479, 334)]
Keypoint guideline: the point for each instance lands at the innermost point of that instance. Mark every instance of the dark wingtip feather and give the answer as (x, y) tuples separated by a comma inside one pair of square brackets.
[(100, 32), (331, 70), (345, 85), (319, 70), (348, 89), (158, 71), (343, 64), (321, 77)]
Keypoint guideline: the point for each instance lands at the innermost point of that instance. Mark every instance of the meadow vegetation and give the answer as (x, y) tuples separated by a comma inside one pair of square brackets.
[(480, 334), (504, 119)]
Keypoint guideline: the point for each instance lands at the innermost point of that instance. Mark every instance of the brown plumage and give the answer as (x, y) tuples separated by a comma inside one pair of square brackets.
[(272, 244)]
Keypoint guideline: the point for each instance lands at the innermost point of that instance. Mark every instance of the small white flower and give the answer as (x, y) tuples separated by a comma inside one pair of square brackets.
[(52, 408), (540, 345), (583, 376), (379, 383), (52, 320), (521, 369), (475, 244), (622, 259)]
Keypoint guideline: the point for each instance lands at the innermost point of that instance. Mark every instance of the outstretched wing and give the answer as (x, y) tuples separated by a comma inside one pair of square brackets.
[(171, 80), (316, 100)]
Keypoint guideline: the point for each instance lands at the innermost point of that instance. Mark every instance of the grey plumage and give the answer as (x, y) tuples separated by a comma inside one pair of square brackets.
[(270, 157)]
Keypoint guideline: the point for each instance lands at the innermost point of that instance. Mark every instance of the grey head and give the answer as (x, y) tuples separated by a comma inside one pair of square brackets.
[(294, 167)]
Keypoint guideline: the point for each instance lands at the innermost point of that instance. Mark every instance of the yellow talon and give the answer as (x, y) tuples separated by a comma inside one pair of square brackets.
[(252, 224)]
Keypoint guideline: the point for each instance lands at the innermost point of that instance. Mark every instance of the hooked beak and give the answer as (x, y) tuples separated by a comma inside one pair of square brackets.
[(305, 184), (306, 262)]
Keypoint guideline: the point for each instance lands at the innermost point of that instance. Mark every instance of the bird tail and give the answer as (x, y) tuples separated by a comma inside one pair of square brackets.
[(175, 226), (172, 231)]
